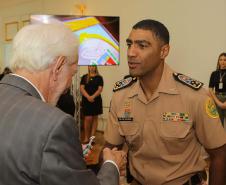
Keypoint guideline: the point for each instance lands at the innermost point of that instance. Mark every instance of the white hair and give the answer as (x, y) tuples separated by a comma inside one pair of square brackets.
[(36, 46)]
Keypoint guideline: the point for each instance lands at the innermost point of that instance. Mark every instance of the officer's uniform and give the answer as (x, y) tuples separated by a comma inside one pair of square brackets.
[(165, 133)]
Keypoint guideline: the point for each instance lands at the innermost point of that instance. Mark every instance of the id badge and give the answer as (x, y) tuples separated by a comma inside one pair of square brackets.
[(221, 85)]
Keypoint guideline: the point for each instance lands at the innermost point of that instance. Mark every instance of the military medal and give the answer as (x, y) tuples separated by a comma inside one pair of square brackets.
[(127, 112), (175, 116)]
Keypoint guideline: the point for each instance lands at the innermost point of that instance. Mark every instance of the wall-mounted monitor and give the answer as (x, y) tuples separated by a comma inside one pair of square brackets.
[(98, 36)]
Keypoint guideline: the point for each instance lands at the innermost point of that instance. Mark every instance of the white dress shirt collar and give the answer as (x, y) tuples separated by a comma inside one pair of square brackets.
[(43, 99)]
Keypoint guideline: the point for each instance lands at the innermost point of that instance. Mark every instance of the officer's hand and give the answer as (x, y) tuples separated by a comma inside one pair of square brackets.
[(119, 157)]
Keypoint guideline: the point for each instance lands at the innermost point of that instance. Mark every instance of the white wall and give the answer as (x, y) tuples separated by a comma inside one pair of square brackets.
[(197, 29)]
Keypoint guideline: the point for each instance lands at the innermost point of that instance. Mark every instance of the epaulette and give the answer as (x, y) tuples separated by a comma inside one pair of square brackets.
[(121, 84), (194, 84)]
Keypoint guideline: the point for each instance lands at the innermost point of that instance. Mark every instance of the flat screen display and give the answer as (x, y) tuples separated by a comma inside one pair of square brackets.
[(98, 36)]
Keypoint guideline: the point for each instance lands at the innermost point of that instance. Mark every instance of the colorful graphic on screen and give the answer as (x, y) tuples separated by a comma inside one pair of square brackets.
[(98, 36)]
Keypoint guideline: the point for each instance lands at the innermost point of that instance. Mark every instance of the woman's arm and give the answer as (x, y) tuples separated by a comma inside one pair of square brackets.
[(85, 94), (98, 92), (220, 104)]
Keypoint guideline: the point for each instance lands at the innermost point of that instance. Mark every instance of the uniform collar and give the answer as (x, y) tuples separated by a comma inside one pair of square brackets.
[(167, 85)]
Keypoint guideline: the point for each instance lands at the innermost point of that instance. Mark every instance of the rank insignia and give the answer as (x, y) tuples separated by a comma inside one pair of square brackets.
[(211, 109), (194, 84), (175, 116), (124, 83)]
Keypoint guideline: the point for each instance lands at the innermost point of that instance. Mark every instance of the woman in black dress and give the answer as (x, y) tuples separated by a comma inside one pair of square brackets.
[(217, 86), (91, 87)]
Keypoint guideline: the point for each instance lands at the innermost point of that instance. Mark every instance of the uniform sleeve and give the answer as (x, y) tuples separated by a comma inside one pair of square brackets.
[(83, 80), (208, 127), (212, 80), (62, 161), (111, 133)]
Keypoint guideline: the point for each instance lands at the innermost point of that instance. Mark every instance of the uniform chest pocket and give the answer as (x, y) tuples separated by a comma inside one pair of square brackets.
[(131, 133), (174, 129), (175, 136), (128, 129)]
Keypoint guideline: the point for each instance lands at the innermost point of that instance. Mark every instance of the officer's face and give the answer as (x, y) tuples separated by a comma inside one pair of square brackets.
[(145, 52)]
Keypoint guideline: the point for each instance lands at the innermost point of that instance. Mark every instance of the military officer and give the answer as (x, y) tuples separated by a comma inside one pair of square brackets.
[(164, 117)]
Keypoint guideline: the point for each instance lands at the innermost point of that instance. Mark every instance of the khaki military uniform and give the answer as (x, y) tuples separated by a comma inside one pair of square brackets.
[(165, 133)]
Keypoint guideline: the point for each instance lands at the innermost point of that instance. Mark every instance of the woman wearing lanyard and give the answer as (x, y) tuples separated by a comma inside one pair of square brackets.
[(217, 86)]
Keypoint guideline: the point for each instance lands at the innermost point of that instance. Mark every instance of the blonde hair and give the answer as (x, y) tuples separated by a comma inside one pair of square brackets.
[(89, 76)]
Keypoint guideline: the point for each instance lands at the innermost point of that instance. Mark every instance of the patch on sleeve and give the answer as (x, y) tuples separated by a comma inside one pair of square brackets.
[(194, 84), (211, 109), (124, 83)]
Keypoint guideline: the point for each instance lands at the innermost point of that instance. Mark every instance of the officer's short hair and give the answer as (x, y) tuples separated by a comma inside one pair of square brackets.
[(159, 29)]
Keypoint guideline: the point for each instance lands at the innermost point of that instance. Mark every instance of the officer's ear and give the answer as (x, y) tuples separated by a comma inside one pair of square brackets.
[(164, 51)]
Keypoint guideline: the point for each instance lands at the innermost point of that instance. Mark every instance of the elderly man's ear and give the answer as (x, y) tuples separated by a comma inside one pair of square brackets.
[(57, 66)]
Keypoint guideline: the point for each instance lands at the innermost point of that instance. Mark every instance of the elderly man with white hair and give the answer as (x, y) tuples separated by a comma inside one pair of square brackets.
[(39, 143)]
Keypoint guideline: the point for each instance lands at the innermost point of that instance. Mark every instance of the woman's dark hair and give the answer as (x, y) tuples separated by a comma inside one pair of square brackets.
[(159, 29)]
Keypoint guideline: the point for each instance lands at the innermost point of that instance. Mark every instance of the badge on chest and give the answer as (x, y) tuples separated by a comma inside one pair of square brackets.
[(220, 85), (127, 111), (175, 116)]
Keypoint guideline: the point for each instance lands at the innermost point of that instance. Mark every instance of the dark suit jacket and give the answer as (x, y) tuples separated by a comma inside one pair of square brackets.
[(39, 144), (66, 103)]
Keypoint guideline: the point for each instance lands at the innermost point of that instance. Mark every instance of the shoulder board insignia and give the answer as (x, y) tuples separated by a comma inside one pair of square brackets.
[(124, 83), (194, 84)]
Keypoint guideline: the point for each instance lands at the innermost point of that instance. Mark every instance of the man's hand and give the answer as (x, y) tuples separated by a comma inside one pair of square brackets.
[(119, 157)]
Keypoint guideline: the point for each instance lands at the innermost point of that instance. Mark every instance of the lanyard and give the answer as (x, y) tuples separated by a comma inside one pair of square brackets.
[(221, 77)]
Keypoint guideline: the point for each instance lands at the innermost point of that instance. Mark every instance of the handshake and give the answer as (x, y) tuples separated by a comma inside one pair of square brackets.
[(115, 156), (119, 157)]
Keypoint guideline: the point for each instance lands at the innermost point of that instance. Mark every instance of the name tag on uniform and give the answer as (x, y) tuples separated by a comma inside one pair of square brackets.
[(125, 119), (175, 116)]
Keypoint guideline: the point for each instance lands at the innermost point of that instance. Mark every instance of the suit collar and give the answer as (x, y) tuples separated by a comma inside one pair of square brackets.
[(20, 83)]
